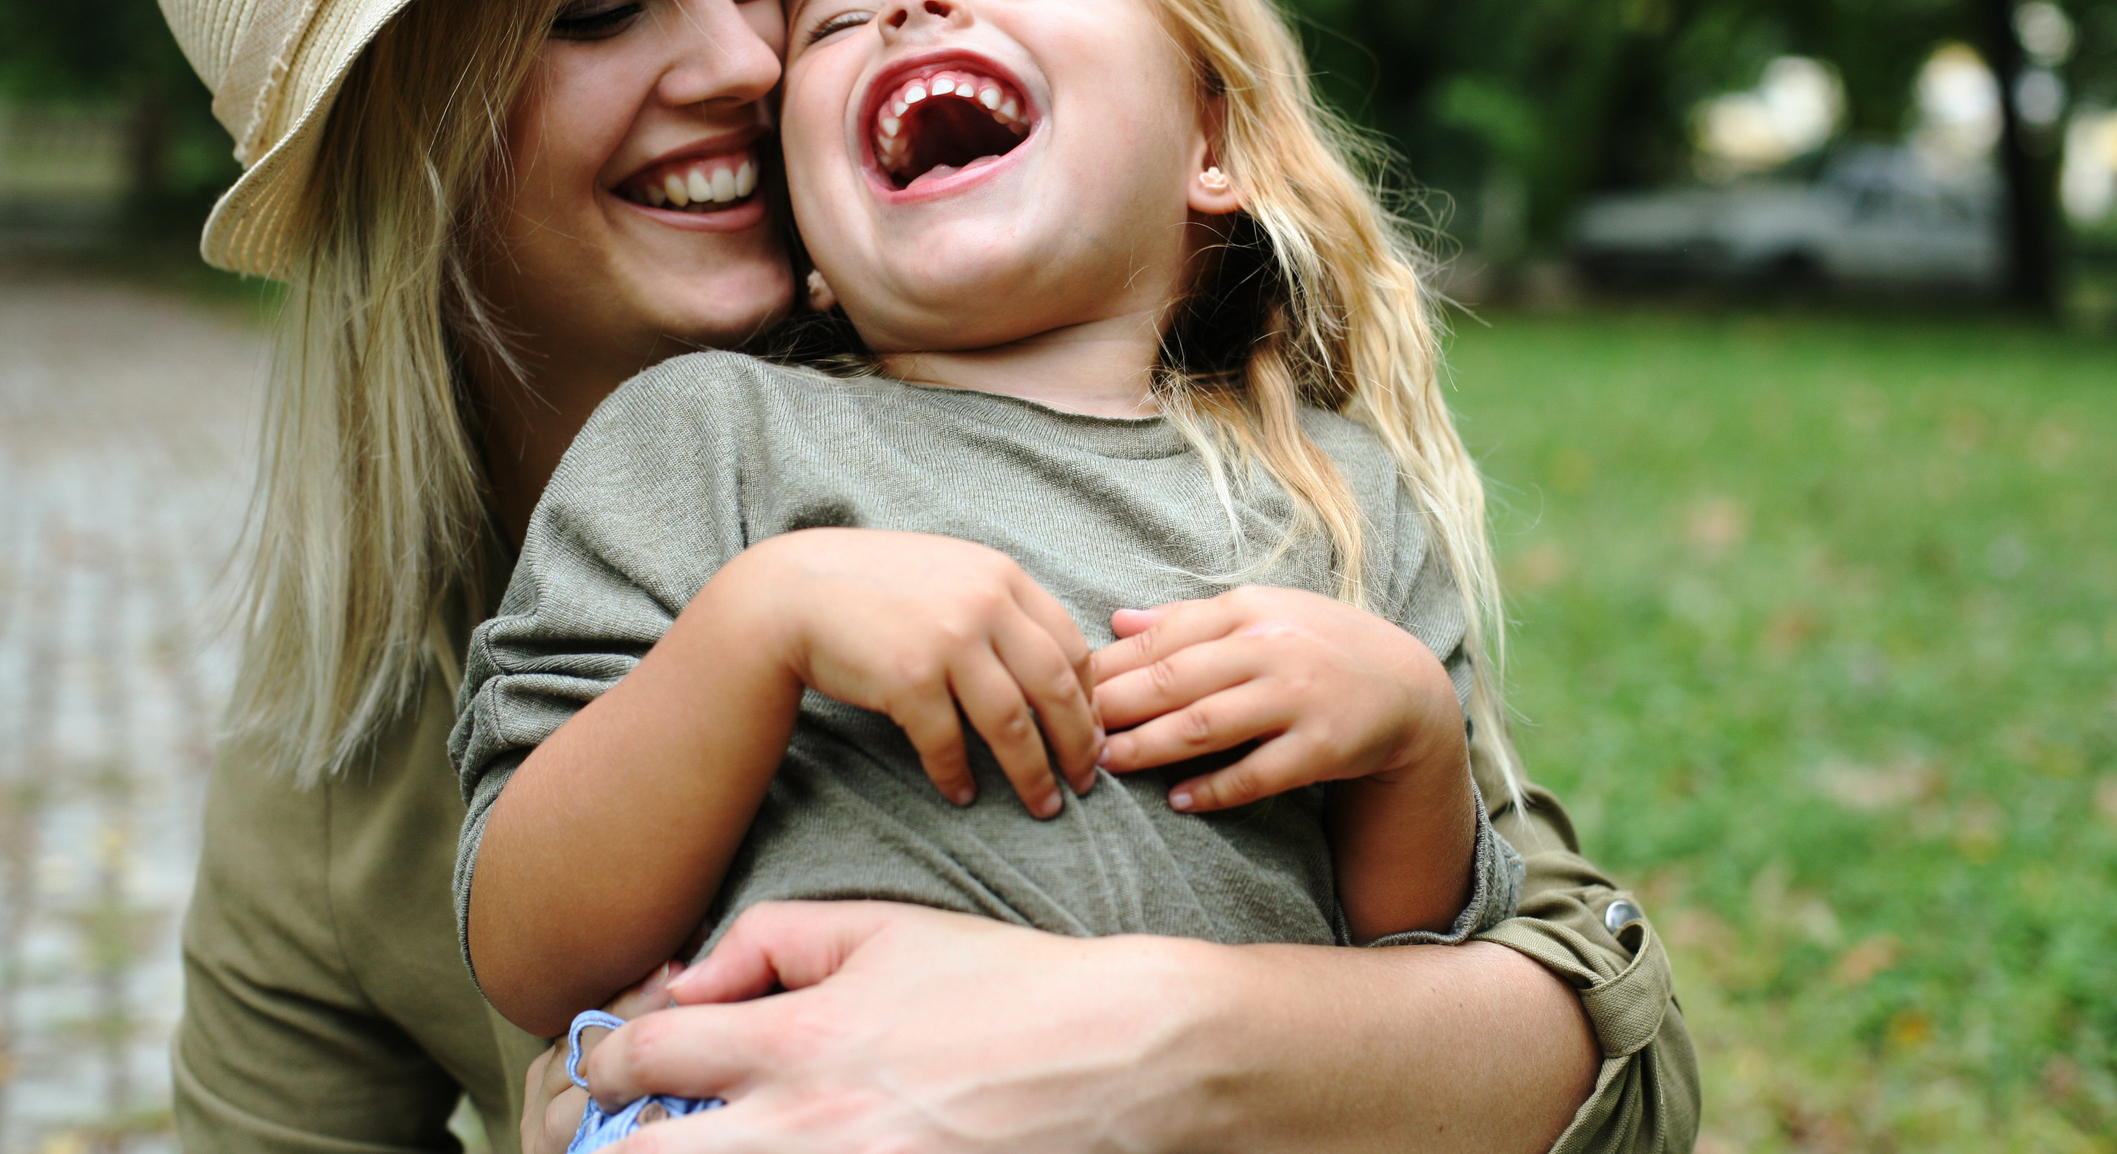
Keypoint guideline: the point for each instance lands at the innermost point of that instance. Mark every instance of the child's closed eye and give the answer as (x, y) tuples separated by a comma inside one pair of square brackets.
[(832, 25)]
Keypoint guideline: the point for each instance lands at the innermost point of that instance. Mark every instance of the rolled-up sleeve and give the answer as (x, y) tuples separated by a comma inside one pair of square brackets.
[(1576, 921)]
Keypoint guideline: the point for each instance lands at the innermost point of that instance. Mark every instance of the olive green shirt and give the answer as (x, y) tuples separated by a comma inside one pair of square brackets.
[(326, 1009)]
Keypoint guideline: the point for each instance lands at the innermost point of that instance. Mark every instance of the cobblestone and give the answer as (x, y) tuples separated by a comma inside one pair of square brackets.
[(124, 418)]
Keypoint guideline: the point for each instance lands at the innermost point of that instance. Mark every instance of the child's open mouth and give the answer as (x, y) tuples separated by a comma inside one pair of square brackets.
[(940, 121), (695, 185)]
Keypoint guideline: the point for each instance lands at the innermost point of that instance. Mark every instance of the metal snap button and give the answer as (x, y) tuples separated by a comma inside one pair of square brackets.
[(1620, 914)]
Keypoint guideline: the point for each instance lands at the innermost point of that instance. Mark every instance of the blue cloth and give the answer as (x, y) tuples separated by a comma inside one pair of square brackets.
[(600, 1129)]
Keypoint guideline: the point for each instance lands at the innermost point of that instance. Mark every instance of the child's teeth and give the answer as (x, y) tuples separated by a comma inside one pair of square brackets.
[(1010, 109), (745, 179), (890, 125), (914, 94), (989, 97), (677, 193), (943, 86)]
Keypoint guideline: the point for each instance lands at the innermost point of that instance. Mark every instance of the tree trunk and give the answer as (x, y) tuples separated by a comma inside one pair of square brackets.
[(2029, 180), (146, 149)]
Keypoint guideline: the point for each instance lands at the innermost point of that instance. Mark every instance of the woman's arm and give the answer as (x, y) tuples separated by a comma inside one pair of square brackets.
[(912, 1028), (997, 1028)]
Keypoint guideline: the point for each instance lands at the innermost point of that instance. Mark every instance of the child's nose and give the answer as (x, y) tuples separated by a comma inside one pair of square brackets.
[(900, 17)]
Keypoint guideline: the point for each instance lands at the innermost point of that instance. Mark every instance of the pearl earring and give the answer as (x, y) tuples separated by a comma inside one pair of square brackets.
[(1214, 179), (821, 298)]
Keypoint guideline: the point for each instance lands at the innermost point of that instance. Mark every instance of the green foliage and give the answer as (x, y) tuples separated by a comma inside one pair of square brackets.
[(120, 55), (1575, 96), (1816, 637)]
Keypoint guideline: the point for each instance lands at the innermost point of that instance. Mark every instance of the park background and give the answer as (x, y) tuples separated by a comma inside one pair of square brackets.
[(1812, 582)]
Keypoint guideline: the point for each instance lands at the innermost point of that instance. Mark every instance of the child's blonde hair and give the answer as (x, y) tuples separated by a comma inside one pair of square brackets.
[(1319, 287)]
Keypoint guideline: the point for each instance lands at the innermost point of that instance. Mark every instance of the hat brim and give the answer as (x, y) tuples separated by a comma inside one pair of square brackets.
[(250, 229)]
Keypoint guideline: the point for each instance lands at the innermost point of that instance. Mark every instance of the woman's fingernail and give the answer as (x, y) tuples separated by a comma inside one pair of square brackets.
[(1050, 806), (965, 795), (1180, 799)]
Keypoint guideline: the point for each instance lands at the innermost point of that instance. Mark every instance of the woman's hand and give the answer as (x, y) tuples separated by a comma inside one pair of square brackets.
[(909, 1029), (915, 626), (551, 1103), (1329, 691)]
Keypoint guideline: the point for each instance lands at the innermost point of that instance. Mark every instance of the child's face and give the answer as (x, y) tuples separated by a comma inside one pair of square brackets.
[(968, 173)]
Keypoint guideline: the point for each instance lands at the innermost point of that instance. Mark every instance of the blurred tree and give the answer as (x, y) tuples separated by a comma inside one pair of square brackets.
[(1562, 98), (120, 54)]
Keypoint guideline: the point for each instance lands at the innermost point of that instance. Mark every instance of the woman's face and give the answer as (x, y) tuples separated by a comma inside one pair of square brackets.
[(591, 274)]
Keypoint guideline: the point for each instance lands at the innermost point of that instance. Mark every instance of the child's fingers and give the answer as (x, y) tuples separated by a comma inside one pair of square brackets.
[(1274, 767), (1126, 622), (1179, 624), (1045, 675), (993, 702), (1045, 610), (927, 715), (1175, 681), (1210, 724)]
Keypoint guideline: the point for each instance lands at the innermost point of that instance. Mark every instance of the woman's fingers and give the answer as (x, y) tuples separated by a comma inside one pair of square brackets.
[(992, 699), (786, 945), (694, 1051)]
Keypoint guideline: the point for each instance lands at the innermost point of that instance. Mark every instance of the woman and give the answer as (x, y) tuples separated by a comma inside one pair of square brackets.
[(435, 187)]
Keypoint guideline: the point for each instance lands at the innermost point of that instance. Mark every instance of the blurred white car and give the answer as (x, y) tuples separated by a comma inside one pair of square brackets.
[(1876, 217)]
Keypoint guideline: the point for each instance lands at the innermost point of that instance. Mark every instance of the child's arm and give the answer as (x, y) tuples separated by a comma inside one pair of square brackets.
[(607, 845), (1331, 693)]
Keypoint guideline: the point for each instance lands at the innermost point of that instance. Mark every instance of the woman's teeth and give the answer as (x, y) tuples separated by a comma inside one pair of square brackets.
[(893, 148), (693, 185)]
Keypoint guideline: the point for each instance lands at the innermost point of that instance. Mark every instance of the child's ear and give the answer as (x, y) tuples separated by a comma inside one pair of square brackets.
[(1211, 189), (821, 298), (1213, 192)]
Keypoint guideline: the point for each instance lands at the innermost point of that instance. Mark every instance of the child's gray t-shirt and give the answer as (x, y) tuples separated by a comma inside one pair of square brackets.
[(695, 460)]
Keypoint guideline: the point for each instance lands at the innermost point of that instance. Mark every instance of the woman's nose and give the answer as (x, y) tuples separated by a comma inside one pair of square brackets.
[(716, 56), (900, 18)]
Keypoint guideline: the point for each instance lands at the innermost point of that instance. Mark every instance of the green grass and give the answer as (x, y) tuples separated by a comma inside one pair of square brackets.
[(1815, 634)]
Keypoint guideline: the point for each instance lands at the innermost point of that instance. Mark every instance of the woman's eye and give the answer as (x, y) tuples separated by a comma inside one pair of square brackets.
[(592, 21), (839, 23)]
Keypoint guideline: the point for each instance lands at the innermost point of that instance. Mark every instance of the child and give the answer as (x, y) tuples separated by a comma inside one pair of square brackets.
[(1140, 337)]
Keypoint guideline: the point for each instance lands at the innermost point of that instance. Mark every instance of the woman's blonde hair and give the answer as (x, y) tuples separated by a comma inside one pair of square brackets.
[(1316, 298), (369, 508)]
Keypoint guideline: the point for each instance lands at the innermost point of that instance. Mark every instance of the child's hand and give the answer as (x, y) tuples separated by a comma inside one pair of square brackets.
[(1329, 691), (913, 626)]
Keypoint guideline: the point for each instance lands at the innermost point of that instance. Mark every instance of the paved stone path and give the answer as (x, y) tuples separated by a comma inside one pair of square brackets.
[(124, 418)]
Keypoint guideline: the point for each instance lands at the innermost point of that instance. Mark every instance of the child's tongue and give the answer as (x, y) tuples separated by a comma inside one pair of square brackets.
[(940, 170)]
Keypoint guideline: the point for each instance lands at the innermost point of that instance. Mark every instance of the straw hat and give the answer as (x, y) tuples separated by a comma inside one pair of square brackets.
[(274, 67)]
